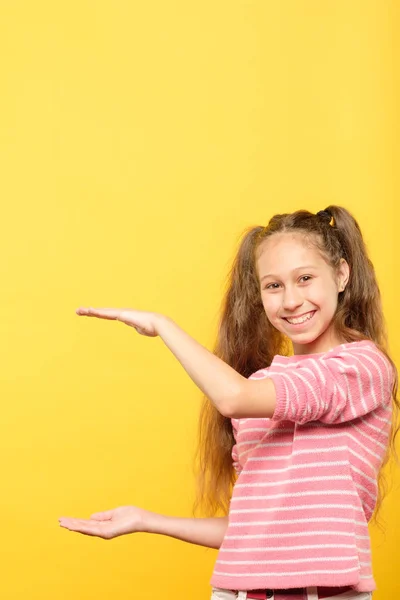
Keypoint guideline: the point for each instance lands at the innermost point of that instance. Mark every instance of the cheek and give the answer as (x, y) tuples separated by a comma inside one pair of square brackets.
[(326, 298), (271, 305)]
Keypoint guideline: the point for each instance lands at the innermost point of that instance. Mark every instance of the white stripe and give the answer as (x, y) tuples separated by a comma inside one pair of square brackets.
[(252, 429), (276, 444), (381, 430), (371, 380), (270, 430), (287, 396), (359, 443), (320, 436), (294, 521), (346, 395), (384, 361), (255, 443), (296, 507), (342, 394), (289, 548), (314, 437), (337, 463), (364, 489), (261, 536), (297, 373), (263, 371), (282, 361), (368, 436), (387, 408), (280, 457), (268, 434), (363, 459), (301, 451), (317, 364), (289, 404), (347, 380), (284, 548), (283, 561), (298, 494), (303, 572), (377, 370), (301, 480), (364, 476), (267, 420)]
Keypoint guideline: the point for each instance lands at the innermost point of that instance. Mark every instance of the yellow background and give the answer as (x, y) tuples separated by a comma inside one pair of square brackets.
[(138, 140)]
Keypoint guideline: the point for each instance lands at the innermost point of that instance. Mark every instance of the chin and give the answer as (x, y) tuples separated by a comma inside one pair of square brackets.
[(306, 341)]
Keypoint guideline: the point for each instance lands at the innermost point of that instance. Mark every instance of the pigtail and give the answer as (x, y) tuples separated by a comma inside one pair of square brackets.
[(246, 339), (360, 316), (360, 313)]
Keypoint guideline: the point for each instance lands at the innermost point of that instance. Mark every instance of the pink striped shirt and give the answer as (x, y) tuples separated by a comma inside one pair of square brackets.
[(307, 477)]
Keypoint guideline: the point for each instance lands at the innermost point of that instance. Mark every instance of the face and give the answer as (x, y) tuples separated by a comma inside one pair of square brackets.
[(299, 291)]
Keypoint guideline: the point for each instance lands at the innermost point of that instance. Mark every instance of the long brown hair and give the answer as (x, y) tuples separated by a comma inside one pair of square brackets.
[(247, 341)]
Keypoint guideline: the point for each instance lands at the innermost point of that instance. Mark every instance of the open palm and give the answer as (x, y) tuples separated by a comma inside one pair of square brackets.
[(108, 524), (144, 322)]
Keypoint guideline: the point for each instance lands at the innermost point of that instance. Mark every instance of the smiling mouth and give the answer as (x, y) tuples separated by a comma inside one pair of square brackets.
[(301, 320)]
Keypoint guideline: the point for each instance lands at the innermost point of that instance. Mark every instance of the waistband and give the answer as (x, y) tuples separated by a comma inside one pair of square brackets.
[(317, 593)]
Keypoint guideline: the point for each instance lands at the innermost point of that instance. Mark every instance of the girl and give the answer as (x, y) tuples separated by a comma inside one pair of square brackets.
[(301, 432)]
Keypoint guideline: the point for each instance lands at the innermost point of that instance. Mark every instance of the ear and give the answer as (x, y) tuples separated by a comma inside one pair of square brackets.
[(343, 274)]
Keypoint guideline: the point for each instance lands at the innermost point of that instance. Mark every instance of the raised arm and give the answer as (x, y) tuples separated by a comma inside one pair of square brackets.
[(233, 395)]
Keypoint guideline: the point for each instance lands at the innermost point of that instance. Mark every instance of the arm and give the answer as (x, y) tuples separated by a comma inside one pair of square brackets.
[(233, 395), (347, 383), (130, 519), (202, 532)]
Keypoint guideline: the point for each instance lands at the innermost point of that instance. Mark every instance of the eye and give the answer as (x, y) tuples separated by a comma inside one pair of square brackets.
[(306, 277), (270, 286)]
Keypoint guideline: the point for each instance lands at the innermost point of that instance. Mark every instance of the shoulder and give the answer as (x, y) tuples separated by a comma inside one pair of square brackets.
[(363, 355), (279, 363), (360, 365)]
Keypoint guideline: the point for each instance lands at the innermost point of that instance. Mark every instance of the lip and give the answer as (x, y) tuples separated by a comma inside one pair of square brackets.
[(297, 325)]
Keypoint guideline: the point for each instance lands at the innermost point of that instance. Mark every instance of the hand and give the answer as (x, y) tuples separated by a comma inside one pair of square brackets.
[(145, 323), (109, 524)]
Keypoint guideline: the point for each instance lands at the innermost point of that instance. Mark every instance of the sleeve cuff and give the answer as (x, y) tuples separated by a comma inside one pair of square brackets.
[(282, 398)]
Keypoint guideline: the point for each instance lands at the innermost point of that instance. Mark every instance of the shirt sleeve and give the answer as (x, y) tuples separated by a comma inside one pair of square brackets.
[(339, 386)]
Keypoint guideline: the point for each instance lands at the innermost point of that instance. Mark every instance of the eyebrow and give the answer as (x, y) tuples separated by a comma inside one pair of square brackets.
[(293, 271)]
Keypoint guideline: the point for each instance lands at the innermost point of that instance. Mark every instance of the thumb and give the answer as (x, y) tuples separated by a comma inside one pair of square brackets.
[(102, 516)]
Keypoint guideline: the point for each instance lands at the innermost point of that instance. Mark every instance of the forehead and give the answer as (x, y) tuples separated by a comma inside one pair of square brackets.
[(283, 253)]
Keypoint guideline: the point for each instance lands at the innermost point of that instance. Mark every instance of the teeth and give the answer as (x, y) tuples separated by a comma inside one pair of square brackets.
[(300, 319)]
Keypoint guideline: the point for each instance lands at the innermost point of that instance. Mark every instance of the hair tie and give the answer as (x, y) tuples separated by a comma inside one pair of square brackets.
[(326, 215)]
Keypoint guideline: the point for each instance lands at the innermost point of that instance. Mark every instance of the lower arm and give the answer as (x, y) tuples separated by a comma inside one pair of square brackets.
[(216, 379), (203, 532)]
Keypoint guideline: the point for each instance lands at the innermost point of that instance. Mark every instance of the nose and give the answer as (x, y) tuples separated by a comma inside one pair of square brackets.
[(292, 299)]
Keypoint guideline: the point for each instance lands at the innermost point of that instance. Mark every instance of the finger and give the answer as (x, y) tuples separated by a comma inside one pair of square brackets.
[(102, 313), (84, 526), (102, 516)]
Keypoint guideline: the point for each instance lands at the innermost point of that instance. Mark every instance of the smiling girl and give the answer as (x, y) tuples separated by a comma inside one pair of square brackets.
[(296, 424)]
